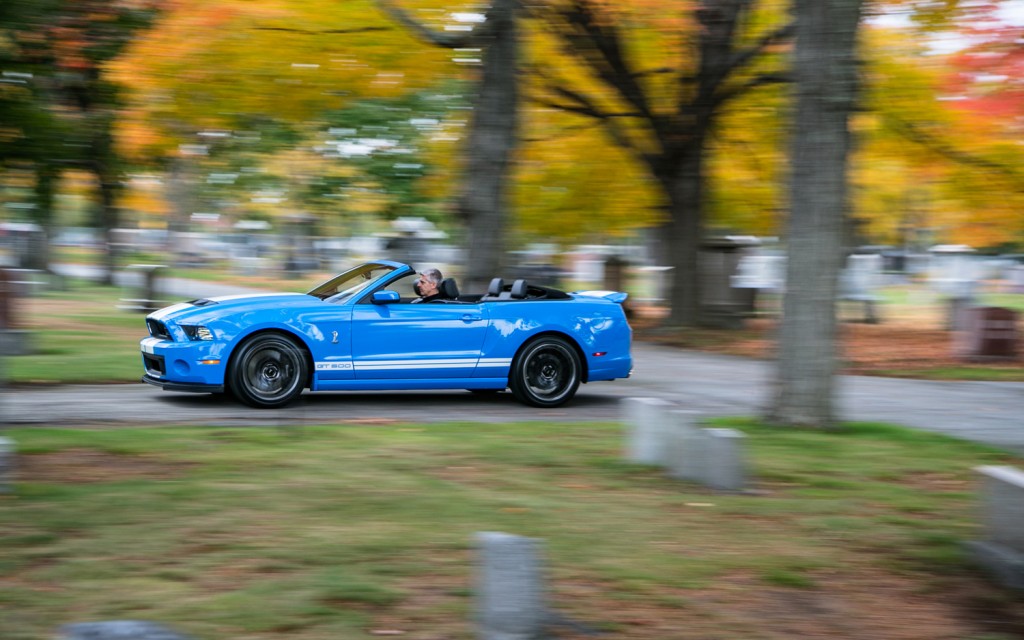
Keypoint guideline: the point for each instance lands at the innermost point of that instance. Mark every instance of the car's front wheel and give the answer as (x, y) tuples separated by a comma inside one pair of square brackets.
[(546, 373), (269, 371)]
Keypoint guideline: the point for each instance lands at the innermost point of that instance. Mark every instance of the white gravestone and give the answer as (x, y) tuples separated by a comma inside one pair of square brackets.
[(648, 422), (510, 588), (1002, 550), (685, 446), (6, 465), (724, 465)]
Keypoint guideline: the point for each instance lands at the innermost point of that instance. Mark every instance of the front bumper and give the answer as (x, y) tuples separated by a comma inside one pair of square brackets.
[(184, 366), (189, 387)]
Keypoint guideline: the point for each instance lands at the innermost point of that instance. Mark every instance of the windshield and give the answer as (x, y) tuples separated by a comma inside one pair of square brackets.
[(348, 284)]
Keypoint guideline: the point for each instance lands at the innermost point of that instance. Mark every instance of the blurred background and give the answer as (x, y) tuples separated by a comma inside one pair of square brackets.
[(287, 140)]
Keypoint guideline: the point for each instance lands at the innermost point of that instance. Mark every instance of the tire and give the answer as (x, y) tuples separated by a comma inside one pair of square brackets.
[(546, 373), (268, 372)]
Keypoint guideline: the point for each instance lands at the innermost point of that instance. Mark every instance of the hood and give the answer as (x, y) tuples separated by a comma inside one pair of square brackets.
[(223, 305)]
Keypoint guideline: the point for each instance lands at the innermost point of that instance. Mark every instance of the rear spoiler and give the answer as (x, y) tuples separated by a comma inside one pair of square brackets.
[(617, 297)]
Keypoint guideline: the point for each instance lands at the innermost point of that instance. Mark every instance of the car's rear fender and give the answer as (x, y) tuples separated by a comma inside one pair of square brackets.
[(568, 338)]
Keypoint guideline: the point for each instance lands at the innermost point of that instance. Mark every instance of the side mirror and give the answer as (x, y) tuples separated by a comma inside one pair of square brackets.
[(385, 297)]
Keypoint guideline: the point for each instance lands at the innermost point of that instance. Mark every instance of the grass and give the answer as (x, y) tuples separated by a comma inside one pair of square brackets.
[(1004, 373), (331, 532), (79, 335)]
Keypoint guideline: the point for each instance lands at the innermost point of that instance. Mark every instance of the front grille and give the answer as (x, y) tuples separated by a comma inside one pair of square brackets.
[(157, 329), (154, 364)]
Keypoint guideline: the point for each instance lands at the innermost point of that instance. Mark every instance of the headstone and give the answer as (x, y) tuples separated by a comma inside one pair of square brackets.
[(860, 281), (954, 271), (510, 588), (118, 630), (7, 454), (7, 297), (147, 280), (987, 333), (724, 466), (615, 279), (685, 446), (722, 305), (1015, 278), (647, 421), (1002, 550)]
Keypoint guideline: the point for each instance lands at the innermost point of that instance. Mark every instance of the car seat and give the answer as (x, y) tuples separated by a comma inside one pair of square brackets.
[(449, 290), (519, 289)]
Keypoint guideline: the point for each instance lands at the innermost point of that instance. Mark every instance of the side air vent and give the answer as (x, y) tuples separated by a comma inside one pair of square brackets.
[(154, 364), (157, 329)]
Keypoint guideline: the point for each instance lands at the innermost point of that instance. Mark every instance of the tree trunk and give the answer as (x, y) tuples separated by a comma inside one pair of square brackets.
[(825, 72), (684, 189), (483, 202), (108, 222), (181, 192), (47, 176)]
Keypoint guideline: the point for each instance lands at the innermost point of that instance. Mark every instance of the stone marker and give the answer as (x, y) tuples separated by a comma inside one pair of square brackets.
[(647, 420), (118, 630), (987, 333), (860, 281), (724, 466), (685, 446), (510, 588), (6, 465), (1002, 550)]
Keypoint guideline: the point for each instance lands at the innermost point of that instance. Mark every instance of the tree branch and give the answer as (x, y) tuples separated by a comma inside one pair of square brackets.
[(582, 105), (325, 32), (430, 36), (743, 58), (601, 47), (728, 94), (932, 142), (578, 127)]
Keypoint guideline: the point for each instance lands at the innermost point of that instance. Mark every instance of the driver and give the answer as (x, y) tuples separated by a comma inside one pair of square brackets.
[(428, 285)]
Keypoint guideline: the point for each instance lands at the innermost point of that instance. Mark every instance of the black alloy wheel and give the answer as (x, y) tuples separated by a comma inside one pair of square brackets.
[(546, 373), (269, 371)]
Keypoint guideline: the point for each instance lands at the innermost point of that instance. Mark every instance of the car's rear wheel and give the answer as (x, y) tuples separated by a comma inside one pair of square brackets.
[(269, 371), (546, 373)]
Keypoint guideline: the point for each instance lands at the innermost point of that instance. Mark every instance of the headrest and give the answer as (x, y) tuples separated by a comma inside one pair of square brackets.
[(519, 289), (495, 287), (449, 289)]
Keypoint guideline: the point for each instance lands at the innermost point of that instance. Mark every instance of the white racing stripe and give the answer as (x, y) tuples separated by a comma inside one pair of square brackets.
[(360, 367), (398, 365), (495, 362), (254, 295), (402, 363), (166, 311), (149, 344)]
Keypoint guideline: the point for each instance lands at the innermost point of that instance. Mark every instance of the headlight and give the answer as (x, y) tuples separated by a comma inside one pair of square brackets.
[(196, 332)]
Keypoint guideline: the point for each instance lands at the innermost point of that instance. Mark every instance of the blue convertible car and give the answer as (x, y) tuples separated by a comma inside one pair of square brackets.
[(358, 331)]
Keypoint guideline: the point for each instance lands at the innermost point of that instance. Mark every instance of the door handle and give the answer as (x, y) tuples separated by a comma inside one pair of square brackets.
[(467, 317)]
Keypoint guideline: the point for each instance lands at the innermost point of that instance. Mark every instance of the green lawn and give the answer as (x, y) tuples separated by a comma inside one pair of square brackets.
[(343, 531), (79, 335)]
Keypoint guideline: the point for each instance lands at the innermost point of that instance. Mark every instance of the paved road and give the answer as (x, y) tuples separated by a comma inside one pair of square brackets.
[(989, 412)]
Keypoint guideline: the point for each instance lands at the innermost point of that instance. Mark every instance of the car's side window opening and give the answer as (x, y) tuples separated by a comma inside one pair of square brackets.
[(404, 287)]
